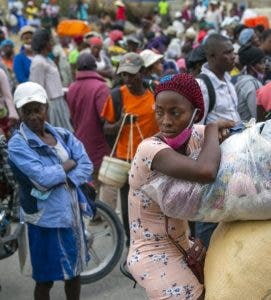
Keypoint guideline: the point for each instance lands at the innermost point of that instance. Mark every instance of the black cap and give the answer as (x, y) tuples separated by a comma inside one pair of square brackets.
[(250, 56), (197, 55)]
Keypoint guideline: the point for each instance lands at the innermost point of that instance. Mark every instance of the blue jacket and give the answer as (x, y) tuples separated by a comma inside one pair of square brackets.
[(36, 165), (21, 67)]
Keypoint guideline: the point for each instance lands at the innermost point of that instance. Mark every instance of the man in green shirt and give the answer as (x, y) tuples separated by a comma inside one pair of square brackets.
[(163, 8)]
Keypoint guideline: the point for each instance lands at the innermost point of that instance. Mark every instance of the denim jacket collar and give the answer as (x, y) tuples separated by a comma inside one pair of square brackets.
[(35, 142)]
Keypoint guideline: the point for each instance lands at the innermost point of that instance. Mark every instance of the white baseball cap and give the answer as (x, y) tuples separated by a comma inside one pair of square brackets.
[(28, 92), (150, 57)]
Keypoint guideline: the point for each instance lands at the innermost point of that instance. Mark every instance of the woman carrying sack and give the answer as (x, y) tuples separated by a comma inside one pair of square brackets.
[(181, 151)]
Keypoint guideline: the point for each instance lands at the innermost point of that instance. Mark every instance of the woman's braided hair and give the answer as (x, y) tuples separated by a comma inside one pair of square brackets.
[(185, 85)]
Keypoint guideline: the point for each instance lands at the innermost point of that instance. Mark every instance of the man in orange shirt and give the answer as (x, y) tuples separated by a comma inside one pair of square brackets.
[(138, 101)]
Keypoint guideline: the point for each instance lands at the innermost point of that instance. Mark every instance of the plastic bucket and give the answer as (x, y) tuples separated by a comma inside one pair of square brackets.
[(114, 171)]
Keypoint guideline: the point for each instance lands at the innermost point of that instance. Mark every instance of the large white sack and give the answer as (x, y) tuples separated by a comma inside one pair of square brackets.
[(241, 191)]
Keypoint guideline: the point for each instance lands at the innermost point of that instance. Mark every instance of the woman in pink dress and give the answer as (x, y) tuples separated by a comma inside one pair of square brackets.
[(179, 151)]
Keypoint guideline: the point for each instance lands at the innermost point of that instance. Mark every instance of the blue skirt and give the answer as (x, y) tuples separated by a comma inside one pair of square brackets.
[(56, 253)]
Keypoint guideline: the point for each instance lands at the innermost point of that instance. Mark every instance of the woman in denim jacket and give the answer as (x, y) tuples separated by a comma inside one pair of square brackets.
[(50, 165)]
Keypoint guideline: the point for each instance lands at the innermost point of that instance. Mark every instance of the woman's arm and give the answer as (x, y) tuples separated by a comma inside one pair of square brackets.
[(80, 167), (29, 163), (202, 170), (251, 103), (5, 90)]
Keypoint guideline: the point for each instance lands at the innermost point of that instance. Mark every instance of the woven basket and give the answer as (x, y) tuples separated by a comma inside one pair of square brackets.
[(114, 171)]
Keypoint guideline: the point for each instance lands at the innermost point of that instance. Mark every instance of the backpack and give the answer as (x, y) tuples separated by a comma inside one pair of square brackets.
[(210, 89), (117, 104)]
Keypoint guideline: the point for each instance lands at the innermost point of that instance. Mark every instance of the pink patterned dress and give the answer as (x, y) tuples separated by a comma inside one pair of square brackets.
[(156, 264)]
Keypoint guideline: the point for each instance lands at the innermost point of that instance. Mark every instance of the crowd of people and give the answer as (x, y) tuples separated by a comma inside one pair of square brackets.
[(68, 97)]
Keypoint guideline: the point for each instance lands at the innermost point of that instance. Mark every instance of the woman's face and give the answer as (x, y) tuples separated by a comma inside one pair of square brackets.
[(34, 114), (95, 50), (27, 38), (173, 113), (255, 40), (157, 67), (266, 45), (260, 67)]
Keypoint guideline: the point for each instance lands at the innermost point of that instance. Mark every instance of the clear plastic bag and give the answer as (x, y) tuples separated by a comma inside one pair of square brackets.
[(241, 191)]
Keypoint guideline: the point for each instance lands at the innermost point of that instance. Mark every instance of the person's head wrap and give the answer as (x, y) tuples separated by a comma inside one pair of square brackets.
[(78, 39), (95, 41), (237, 30), (245, 36), (115, 35), (86, 62), (185, 85), (190, 33), (250, 56), (7, 43)]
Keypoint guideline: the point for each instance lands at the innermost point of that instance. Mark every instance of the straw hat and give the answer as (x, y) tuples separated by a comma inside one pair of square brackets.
[(26, 29)]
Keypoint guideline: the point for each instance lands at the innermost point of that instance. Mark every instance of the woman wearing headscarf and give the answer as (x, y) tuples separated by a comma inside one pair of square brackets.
[(179, 151), (248, 37), (153, 65), (50, 164), (250, 80), (22, 60), (45, 72), (104, 67)]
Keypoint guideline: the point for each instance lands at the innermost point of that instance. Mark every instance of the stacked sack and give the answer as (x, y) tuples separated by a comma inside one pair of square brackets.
[(238, 262)]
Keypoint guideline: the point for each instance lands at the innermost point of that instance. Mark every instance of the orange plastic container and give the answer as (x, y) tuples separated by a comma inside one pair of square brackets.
[(260, 20), (73, 28)]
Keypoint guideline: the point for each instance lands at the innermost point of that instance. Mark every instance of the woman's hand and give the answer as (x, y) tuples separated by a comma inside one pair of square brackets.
[(68, 165), (223, 126)]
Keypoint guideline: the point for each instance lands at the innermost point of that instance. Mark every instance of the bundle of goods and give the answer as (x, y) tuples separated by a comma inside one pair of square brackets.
[(241, 191), (73, 28)]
